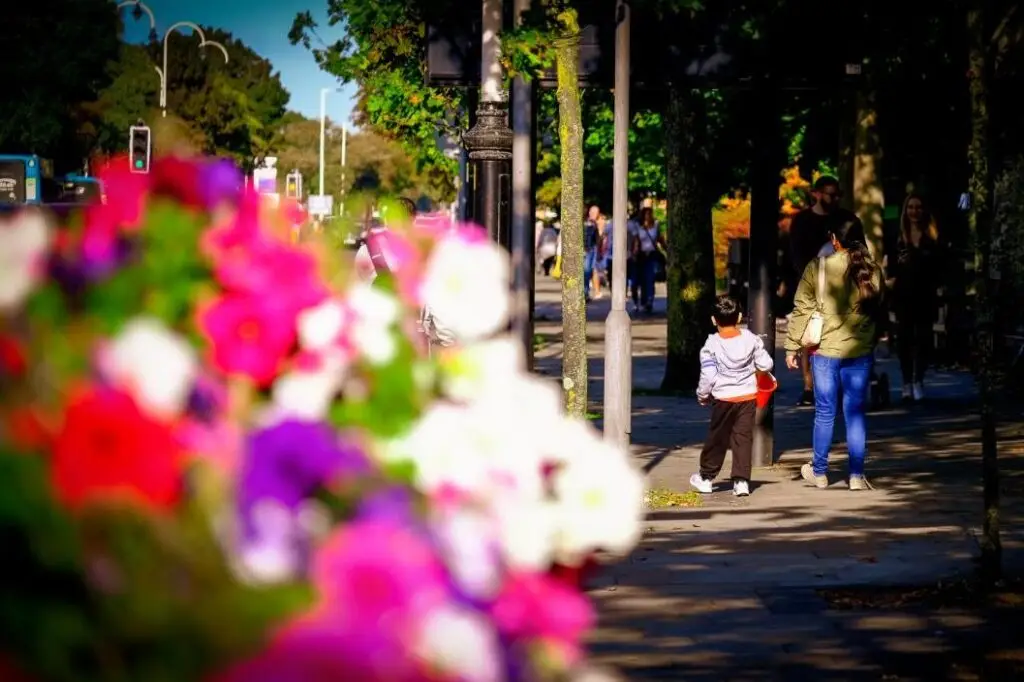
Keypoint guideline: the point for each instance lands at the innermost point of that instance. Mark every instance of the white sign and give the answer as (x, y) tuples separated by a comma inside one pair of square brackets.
[(321, 204), (265, 180)]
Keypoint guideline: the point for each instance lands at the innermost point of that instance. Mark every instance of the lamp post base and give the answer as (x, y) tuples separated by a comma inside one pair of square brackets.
[(489, 144)]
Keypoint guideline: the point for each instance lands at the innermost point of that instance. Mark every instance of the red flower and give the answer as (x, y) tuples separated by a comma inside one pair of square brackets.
[(29, 430), (12, 357), (178, 179), (108, 446)]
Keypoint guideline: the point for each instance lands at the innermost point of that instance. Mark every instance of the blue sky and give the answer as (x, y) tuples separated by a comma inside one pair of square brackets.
[(262, 25)]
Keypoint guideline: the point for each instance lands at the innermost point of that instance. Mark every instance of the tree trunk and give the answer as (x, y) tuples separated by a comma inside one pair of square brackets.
[(691, 263), (980, 220), (868, 198), (570, 133)]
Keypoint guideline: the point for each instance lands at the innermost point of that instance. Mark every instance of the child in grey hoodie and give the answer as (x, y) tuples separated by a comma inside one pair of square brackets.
[(729, 363)]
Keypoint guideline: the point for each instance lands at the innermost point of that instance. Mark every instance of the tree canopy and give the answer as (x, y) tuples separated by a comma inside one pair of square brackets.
[(384, 53), (368, 155), (55, 57)]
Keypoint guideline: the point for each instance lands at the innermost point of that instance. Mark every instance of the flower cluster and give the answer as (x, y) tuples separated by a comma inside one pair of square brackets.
[(238, 459)]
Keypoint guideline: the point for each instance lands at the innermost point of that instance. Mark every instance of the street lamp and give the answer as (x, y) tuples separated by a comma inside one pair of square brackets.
[(203, 42), (141, 8)]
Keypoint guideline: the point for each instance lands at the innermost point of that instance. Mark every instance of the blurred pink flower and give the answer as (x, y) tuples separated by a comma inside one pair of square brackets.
[(322, 650), (126, 195), (538, 606), (248, 335), (218, 442), (377, 574), (270, 268), (379, 581), (241, 230)]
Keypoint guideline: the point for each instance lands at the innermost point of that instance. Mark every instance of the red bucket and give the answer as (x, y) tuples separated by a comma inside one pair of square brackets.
[(766, 385)]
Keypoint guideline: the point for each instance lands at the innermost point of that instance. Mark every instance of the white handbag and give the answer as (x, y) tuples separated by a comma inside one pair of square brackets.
[(812, 332)]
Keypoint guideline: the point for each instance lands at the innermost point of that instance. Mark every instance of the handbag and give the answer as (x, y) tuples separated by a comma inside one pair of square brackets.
[(812, 332)]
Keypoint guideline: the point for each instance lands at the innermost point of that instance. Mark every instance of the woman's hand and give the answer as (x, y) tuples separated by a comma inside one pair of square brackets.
[(791, 361)]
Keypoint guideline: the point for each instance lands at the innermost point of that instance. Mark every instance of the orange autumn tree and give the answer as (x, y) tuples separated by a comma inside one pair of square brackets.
[(730, 218)]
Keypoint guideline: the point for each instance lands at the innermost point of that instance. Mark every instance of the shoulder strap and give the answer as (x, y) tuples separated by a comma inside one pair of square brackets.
[(820, 289)]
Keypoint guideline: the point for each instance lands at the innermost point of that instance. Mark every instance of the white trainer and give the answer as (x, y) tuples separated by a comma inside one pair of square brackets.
[(740, 488), (807, 472), (701, 484), (918, 391)]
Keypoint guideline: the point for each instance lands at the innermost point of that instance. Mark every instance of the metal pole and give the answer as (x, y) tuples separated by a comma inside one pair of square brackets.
[(489, 142), (618, 341), (344, 159), (522, 241), (764, 234), (323, 131), (163, 73)]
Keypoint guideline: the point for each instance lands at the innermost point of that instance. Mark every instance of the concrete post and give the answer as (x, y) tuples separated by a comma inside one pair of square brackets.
[(618, 342)]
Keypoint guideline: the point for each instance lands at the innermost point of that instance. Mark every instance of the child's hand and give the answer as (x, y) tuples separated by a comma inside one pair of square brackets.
[(703, 401)]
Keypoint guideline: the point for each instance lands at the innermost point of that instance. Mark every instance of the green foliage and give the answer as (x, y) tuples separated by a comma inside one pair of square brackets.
[(55, 56), (45, 610), (133, 94), (164, 282), (368, 156), (383, 52)]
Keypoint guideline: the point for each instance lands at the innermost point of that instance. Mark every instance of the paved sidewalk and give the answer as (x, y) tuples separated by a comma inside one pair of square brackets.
[(727, 590)]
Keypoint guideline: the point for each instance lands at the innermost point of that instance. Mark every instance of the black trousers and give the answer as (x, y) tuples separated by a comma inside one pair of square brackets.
[(915, 343), (732, 427)]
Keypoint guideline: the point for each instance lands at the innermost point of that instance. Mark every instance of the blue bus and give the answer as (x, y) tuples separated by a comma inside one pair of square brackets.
[(81, 189), (27, 179)]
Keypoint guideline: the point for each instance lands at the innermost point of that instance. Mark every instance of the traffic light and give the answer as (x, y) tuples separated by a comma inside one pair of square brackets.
[(140, 148), (293, 185)]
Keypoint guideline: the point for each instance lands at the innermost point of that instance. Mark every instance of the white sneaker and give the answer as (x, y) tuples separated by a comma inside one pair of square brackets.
[(859, 483), (740, 488), (807, 472), (701, 484), (918, 391)]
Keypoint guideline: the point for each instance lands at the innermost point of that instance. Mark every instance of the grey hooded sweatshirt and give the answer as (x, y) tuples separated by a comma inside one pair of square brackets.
[(729, 362)]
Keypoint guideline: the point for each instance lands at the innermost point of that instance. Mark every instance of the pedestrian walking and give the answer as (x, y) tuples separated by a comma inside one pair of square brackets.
[(836, 318), (729, 364)]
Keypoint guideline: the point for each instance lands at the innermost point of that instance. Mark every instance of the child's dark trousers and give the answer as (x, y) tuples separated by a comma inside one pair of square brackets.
[(732, 427)]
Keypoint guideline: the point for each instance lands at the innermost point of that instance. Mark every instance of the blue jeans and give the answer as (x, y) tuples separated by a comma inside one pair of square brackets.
[(854, 376), (589, 263), (648, 266)]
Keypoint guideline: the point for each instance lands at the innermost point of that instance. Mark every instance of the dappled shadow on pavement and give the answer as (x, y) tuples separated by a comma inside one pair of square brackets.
[(730, 590)]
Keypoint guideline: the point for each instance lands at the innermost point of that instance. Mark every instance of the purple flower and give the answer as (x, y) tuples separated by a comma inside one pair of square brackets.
[(393, 503), (206, 400), (220, 182), (288, 462)]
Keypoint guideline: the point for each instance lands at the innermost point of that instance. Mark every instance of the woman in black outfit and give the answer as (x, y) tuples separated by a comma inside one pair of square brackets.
[(915, 293)]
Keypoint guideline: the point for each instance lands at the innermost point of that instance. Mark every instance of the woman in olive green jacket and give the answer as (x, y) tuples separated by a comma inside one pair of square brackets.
[(850, 305)]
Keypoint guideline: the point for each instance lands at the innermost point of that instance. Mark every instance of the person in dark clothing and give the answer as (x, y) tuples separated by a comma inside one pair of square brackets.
[(591, 241), (915, 285), (808, 234)]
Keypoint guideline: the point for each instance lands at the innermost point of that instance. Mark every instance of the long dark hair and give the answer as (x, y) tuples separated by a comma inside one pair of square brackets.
[(861, 270)]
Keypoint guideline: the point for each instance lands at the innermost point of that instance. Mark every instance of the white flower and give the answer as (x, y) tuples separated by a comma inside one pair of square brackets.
[(308, 394), (321, 326), (483, 453), (155, 364), (479, 369), (526, 533), (470, 552), (272, 554), (374, 315), (462, 644), (600, 496), (466, 285), (24, 241)]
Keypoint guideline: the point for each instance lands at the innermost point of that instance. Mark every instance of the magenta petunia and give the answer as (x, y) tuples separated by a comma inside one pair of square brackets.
[(248, 335), (538, 606)]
